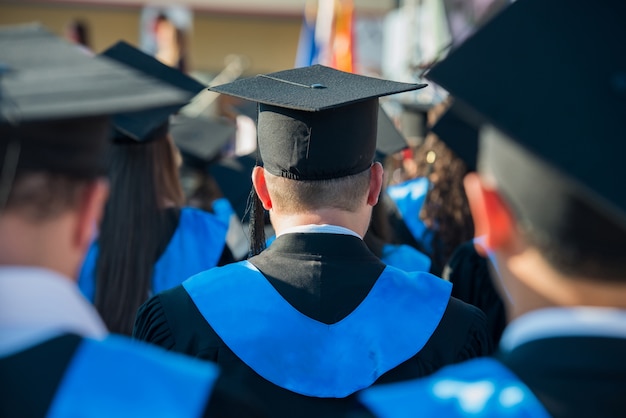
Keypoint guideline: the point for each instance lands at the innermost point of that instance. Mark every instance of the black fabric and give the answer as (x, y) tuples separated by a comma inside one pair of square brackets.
[(29, 378), (573, 376), (460, 136), (47, 78), (325, 283), (141, 125), (578, 128), (470, 275)]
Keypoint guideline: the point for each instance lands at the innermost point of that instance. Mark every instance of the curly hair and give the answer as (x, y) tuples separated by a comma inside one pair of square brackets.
[(446, 210)]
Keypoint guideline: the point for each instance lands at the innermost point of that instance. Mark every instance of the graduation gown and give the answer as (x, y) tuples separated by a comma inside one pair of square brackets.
[(197, 244), (554, 362), (57, 360), (325, 278)]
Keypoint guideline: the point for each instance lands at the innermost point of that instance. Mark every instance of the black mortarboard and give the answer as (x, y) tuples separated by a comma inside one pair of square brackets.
[(147, 124), (55, 100), (389, 139), (45, 77), (315, 122), (201, 139), (551, 75), (234, 176), (460, 136)]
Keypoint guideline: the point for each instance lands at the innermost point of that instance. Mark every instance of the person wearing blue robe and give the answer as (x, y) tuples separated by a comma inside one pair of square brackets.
[(551, 214), (57, 359), (315, 316)]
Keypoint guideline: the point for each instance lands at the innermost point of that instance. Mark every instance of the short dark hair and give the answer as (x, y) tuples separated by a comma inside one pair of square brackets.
[(295, 196)]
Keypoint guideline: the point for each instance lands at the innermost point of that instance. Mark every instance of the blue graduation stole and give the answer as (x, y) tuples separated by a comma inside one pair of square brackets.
[(196, 245), (481, 387), (119, 377), (405, 258), (295, 352), (409, 198)]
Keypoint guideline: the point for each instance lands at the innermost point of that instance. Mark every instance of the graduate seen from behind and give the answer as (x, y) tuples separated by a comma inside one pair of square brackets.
[(316, 316), (148, 242), (550, 208), (57, 358)]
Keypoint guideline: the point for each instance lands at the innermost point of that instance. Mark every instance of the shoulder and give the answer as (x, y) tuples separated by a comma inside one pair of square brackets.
[(480, 387), (190, 217)]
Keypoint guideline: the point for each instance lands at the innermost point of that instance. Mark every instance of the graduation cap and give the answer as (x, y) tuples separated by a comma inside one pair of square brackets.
[(55, 100), (550, 76), (201, 139), (149, 124), (460, 136), (315, 123), (234, 176), (389, 139), (45, 77)]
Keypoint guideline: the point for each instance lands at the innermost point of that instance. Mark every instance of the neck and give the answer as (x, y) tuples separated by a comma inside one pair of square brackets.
[(357, 222), (44, 244), (536, 285)]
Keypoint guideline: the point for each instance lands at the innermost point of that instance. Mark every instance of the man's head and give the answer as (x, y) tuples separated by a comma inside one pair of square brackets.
[(317, 130), (551, 98), (55, 103)]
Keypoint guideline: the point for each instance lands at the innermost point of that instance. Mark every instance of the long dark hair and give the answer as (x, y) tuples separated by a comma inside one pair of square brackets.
[(144, 179), (446, 210)]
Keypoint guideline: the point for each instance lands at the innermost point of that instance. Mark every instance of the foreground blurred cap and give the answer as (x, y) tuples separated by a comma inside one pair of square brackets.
[(55, 102), (315, 123), (551, 76)]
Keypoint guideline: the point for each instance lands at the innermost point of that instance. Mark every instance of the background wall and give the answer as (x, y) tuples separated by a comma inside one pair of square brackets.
[(266, 36)]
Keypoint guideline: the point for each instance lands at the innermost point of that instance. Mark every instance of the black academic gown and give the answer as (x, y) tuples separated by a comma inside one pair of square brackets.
[(325, 277), (469, 273), (573, 376), (30, 379)]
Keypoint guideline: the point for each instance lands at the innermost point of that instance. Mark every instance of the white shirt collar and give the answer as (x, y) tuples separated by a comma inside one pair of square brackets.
[(323, 229), (557, 322), (37, 304)]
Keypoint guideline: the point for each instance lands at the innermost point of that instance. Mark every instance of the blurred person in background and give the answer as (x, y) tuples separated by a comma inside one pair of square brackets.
[(148, 240)]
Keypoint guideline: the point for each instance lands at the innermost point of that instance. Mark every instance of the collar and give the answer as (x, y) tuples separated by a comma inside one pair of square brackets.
[(320, 229), (37, 304), (561, 322)]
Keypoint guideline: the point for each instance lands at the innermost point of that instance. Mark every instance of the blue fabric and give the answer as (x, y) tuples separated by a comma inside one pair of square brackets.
[(305, 356), (197, 245), (409, 198), (119, 377), (405, 258), (476, 388)]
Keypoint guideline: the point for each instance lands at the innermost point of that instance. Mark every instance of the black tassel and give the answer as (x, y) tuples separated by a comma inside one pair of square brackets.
[(257, 224)]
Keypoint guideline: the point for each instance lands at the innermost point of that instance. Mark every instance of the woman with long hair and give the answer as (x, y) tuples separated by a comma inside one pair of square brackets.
[(148, 242)]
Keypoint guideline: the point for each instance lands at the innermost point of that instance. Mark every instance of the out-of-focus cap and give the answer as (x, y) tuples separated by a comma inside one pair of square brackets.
[(201, 140), (142, 125), (44, 77), (315, 123), (461, 137), (389, 139), (551, 75), (234, 177)]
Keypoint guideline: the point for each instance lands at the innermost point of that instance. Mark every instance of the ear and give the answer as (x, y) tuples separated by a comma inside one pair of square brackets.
[(494, 222), (260, 186), (376, 183), (93, 199)]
